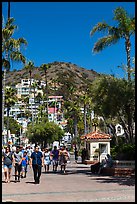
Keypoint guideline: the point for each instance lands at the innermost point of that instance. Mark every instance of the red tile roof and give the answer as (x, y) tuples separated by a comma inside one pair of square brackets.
[(96, 135), (55, 97), (52, 110)]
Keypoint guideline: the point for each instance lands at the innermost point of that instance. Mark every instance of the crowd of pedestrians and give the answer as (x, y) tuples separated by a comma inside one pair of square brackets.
[(18, 158)]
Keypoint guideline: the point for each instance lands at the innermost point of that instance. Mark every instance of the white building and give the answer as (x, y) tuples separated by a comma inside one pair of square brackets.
[(23, 88)]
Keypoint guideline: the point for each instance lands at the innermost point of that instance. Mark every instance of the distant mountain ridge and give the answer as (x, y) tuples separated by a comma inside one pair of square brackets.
[(57, 70)]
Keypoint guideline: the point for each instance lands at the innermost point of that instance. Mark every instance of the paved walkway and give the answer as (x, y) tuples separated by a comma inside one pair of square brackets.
[(77, 185)]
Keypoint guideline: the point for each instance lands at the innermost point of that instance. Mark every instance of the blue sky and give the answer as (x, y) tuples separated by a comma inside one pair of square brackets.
[(60, 31)]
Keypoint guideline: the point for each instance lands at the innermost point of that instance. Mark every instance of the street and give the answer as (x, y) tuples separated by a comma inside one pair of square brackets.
[(77, 185)]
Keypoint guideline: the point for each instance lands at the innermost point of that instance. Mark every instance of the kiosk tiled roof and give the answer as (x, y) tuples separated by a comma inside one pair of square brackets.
[(96, 135)]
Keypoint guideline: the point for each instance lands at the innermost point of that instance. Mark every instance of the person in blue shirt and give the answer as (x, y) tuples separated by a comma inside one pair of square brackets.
[(37, 162), (24, 164)]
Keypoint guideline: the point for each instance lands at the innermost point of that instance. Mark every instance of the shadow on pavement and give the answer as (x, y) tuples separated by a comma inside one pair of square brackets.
[(11, 181), (31, 182), (99, 178), (120, 180)]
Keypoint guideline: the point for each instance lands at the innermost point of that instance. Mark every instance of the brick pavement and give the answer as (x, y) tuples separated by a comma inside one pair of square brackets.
[(78, 185)]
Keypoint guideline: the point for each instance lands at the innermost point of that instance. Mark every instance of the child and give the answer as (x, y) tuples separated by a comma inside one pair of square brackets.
[(24, 165)]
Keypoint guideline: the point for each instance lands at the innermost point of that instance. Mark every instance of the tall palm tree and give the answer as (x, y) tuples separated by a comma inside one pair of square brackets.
[(34, 86), (45, 67), (11, 47), (10, 99), (29, 67), (10, 51), (125, 29), (72, 112), (85, 101)]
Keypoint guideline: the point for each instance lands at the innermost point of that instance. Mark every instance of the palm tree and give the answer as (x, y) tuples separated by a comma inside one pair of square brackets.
[(85, 101), (125, 29), (10, 99), (29, 67), (34, 86), (45, 67), (10, 46), (25, 106), (10, 51), (72, 112)]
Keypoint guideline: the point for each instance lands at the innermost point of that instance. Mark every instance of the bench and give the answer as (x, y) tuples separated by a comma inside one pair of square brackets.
[(90, 162), (118, 171), (120, 168)]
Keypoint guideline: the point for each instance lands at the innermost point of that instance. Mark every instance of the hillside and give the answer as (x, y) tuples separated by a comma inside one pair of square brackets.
[(57, 70)]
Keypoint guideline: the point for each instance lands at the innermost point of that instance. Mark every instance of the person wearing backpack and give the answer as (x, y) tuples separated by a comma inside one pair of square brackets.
[(17, 163), (7, 158)]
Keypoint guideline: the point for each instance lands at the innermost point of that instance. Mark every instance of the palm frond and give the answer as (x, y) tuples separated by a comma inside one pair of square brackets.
[(100, 27), (125, 23), (29, 66), (17, 56), (22, 41), (105, 42), (45, 67)]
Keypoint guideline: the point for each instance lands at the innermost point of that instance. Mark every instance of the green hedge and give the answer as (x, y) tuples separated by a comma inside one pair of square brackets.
[(123, 152)]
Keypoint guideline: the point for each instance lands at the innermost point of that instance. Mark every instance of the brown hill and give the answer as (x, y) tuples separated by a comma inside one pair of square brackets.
[(57, 71)]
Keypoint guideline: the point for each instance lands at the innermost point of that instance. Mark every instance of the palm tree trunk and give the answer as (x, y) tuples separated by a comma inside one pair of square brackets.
[(75, 127), (30, 83), (127, 46), (30, 97), (46, 81), (3, 99), (4, 79), (34, 102), (85, 120), (130, 124), (8, 110)]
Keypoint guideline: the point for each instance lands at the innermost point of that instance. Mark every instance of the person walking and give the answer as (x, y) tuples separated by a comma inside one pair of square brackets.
[(29, 152), (54, 155), (7, 159), (83, 155), (47, 161), (24, 165), (17, 155), (36, 162), (63, 157), (76, 154)]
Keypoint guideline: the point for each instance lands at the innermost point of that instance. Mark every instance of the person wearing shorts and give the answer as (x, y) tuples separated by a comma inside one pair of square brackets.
[(24, 164), (7, 158), (46, 159), (55, 154)]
